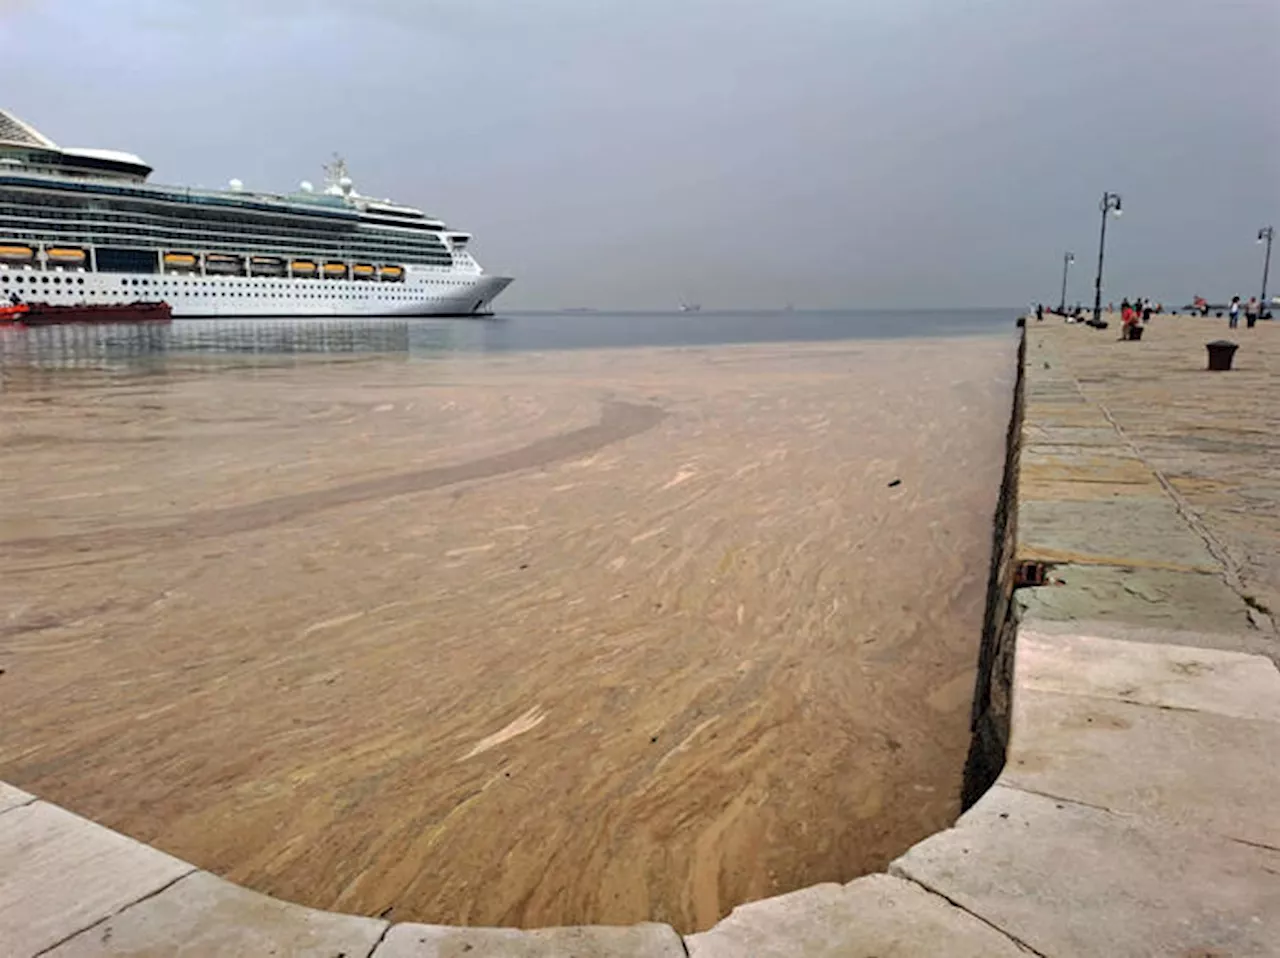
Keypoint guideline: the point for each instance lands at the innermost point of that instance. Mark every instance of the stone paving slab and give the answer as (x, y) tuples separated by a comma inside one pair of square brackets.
[(1044, 437), (1197, 603), (1068, 880), (1197, 769), (1051, 487), (1181, 677), (648, 940), (11, 797), (60, 873), (1077, 415), (1145, 533), (874, 917), (1087, 464), (202, 916)]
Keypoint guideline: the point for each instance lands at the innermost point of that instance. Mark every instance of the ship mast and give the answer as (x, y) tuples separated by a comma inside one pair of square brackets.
[(337, 179)]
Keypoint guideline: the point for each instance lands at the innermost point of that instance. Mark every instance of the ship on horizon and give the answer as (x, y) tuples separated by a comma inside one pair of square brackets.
[(84, 227)]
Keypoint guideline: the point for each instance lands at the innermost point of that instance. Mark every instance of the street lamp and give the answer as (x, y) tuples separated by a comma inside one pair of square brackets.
[(1067, 260), (1110, 204), (1265, 235)]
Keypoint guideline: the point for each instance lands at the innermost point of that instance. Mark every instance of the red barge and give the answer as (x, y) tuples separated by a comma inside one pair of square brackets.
[(45, 314)]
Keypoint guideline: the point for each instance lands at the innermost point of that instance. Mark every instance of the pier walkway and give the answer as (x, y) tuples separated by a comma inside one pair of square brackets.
[(1138, 810)]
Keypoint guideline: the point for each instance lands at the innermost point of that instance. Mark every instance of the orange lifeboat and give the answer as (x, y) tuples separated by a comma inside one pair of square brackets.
[(13, 314), (303, 267), (16, 254), (392, 274), (179, 261), (362, 271), (335, 270), (66, 256)]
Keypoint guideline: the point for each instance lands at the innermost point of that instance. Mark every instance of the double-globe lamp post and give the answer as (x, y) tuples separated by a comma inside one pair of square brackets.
[(1067, 260), (1110, 204), (1265, 235)]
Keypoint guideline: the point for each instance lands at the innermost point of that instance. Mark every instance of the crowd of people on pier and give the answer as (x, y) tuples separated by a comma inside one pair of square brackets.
[(1251, 309), (1140, 309)]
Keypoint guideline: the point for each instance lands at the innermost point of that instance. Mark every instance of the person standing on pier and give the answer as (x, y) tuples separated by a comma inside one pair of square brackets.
[(1233, 313), (1251, 312)]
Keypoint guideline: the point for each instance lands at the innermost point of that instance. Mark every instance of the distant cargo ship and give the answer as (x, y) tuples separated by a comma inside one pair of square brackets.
[(85, 227)]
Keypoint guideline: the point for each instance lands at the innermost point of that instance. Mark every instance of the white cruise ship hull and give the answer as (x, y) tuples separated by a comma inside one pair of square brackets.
[(423, 292)]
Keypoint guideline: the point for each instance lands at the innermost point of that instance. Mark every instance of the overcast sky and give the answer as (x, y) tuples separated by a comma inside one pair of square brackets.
[(636, 153)]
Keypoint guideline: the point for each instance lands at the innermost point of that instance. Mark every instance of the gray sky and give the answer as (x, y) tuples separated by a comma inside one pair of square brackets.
[(634, 153)]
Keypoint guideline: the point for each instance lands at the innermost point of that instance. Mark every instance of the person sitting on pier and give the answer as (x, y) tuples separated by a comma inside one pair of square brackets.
[(1130, 317)]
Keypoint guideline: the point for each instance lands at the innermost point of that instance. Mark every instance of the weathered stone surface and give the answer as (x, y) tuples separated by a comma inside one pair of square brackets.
[(1144, 533), (1158, 598), (1209, 437), (1038, 435), (1170, 764), (11, 797), (1206, 680), (59, 874), (202, 916), (872, 917), (1070, 880), (1088, 465), (647, 940), (1250, 643)]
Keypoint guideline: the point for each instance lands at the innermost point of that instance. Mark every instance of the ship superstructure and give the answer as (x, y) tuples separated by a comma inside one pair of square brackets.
[(86, 226)]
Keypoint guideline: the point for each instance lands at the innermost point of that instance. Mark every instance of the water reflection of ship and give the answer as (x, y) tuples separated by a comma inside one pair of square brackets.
[(110, 346)]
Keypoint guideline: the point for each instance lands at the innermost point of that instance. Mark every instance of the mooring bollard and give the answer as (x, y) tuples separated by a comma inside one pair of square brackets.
[(1221, 352)]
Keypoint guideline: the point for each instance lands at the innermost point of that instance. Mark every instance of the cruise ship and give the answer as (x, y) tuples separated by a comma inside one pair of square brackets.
[(85, 226)]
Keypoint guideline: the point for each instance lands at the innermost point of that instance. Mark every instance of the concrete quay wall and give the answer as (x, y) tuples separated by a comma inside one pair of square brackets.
[(1133, 698)]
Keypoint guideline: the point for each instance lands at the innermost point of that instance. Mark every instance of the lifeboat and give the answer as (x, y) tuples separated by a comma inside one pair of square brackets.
[(14, 314), (392, 274), (303, 267), (362, 271), (16, 254), (335, 270), (222, 263), (266, 266), (66, 256), (179, 260)]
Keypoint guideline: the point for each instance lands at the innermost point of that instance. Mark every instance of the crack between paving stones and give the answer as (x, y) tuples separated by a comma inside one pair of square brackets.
[(1230, 574), (30, 801), (1062, 798), (1127, 814), (119, 911), (968, 911), (381, 938)]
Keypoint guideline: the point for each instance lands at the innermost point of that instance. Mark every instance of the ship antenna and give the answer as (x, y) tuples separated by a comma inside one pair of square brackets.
[(336, 177)]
